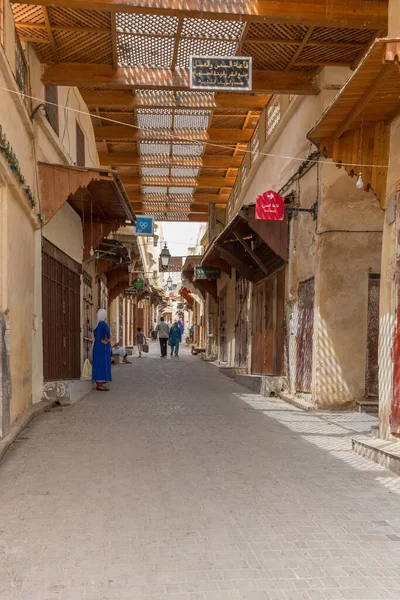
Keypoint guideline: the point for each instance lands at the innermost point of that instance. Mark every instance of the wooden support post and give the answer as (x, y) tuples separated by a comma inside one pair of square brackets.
[(212, 222), (251, 252)]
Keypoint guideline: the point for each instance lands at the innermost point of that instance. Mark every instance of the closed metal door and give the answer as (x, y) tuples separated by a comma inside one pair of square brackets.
[(372, 371), (223, 342), (61, 284), (305, 335), (241, 323)]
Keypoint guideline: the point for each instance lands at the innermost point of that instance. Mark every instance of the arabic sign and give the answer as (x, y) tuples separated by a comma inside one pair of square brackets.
[(220, 72), (130, 292), (144, 225), (138, 284), (207, 273), (270, 206)]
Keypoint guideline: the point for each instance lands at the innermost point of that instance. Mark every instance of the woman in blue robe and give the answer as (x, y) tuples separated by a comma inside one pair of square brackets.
[(101, 369)]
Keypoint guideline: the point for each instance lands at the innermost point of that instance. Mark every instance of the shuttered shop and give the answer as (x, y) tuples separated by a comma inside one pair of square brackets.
[(61, 283)]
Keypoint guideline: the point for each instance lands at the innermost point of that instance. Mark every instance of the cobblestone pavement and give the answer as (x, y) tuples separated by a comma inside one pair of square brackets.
[(180, 485)]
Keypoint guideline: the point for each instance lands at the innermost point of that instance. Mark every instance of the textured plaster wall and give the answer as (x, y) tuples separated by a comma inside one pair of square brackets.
[(64, 230), (21, 269), (388, 302)]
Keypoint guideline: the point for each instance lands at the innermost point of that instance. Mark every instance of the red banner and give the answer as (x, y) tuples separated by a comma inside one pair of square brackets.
[(270, 206)]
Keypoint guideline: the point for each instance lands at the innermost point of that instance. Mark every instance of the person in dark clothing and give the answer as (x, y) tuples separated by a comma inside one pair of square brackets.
[(175, 338)]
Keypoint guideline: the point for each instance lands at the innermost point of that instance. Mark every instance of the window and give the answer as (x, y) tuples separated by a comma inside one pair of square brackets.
[(51, 96), (80, 146), (2, 22), (21, 70)]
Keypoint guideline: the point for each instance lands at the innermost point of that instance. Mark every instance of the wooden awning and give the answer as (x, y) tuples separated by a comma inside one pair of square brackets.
[(361, 113), (91, 192), (97, 195), (255, 248), (204, 286)]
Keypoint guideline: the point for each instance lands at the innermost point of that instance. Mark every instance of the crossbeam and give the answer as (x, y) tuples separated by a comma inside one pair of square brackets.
[(124, 132), (104, 76), (357, 13), (210, 182), (128, 159), (194, 207), (217, 101), (198, 198)]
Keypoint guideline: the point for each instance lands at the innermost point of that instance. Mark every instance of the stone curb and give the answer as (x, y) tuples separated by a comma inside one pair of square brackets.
[(297, 402), (33, 412)]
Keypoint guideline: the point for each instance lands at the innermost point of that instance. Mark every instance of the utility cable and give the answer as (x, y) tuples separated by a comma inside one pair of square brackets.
[(180, 138)]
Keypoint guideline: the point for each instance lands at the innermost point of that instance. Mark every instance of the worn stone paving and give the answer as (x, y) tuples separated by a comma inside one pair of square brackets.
[(179, 484)]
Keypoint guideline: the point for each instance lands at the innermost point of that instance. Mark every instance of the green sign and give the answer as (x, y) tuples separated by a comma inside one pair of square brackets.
[(207, 273), (138, 284)]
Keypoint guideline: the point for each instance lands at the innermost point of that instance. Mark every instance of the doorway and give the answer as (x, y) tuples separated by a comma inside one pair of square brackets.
[(242, 287), (305, 335), (372, 368), (61, 286)]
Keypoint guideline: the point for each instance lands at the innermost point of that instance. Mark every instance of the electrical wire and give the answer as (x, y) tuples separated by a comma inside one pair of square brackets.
[(180, 138)]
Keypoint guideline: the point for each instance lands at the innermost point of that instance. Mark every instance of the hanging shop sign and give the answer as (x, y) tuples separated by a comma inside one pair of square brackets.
[(138, 284), (221, 72), (270, 206), (207, 273), (144, 225), (130, 292)]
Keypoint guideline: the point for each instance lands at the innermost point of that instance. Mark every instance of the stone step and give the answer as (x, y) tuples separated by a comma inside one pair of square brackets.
[(368, 406), (384, 452)]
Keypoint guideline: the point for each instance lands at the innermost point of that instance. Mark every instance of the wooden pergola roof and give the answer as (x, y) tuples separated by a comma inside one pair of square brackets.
[(177, 150), (360, 115)]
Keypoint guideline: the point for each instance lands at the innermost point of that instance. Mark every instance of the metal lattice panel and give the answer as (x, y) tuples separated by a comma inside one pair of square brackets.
[(150, 189), (187, 149), (119, 117), (155, 148), (167, 216), (184, 172), (195, 98), (159, 97), (160, 118), (136, 51), (211, 28), (146, 24), (165, 197), (195, 47), (155, 171), (192, 119), (181, 190)]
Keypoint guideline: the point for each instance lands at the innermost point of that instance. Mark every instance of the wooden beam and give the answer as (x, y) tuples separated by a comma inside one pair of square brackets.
[(104, 76), (195, 207), (211, 182), (176, 44), (293, 42), (246, 270), (50, 34), (300, 49), (124, 132), (214, 161), (199, 198), (385, 72), (356, 14), (114, 41), (250, 251), (220, 101)]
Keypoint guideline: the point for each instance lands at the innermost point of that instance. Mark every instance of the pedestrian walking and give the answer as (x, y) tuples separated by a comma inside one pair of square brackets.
[(163, 334), (101, 369), (175, 338), (154, 330), (140, 340)]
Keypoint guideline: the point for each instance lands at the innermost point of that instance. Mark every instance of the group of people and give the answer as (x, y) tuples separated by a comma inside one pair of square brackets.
[(103, 352), (169, 335)]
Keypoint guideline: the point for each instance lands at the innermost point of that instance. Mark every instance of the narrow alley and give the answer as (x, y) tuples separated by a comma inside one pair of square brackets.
[(179, 484)]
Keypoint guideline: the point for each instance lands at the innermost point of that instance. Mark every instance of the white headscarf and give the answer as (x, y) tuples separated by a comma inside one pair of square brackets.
[(101, 316)]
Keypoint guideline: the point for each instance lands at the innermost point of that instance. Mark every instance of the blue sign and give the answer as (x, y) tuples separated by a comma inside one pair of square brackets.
[(144, 225)]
